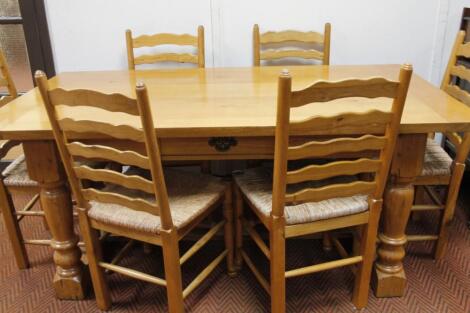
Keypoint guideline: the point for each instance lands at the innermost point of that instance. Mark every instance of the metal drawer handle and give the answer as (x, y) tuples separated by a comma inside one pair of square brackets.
[(222, 144)]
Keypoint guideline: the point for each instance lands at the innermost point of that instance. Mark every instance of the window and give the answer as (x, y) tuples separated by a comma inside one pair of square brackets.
[(24, 39)]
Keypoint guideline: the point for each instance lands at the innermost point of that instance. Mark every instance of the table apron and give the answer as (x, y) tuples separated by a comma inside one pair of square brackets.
[(219, 148)]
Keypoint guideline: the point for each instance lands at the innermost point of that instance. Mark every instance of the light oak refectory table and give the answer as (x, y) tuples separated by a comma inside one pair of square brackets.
[(228, 113)]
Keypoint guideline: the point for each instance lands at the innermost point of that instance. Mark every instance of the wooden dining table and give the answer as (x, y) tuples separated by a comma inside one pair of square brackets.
[(228, 114)]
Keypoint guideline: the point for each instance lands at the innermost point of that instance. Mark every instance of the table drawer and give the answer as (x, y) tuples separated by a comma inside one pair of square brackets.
[(217, 148)]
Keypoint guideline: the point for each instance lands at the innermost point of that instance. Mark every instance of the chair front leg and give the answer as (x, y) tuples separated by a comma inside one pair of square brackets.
[(13, 228), (238, 227), (94, 256)]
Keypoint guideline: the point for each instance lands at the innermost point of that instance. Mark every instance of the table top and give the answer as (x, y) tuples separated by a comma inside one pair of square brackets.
[(234, 101)]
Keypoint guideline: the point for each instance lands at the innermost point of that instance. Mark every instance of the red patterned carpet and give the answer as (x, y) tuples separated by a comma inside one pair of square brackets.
[(442, 286)]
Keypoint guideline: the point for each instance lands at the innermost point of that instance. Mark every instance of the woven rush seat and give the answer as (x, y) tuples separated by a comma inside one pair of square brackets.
[(190, 194), (257, 183), (16, 174), (436, 161)]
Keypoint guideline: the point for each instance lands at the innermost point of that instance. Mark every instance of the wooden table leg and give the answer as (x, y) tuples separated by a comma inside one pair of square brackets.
[(389, 278), (45, 167)]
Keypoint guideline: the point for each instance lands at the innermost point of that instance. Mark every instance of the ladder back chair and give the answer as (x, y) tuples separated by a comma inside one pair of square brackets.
[(15, 182), (158, 208), (283, 38), (166, 39), (291, 36), (438, 167), (169, 39), (318, 198)]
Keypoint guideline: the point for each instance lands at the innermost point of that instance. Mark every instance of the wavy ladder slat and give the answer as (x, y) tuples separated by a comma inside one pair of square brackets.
[(166, 57), (291, 35), (330, 191), (461, 72), (458, 93), (337, 145), (112, 177), (332, 169), (99, 152), (346, 120), (137, 204), (164, 39), (80, 97), (279, 54), (324, 91), (464, 50), (88, 126)]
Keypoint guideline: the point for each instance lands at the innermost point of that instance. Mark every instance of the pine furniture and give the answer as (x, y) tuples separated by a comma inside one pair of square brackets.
[(267, 46), (439, 168), (160, 209), (282, 40), (155, 40), (230, 113), (316, 198)]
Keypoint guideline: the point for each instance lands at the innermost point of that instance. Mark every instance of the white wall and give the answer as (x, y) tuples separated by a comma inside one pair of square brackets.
[(89, 34)]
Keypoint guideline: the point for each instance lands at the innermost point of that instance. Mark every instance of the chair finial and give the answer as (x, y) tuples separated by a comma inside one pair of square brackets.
[(39, 73), (407, 66), (140, 85)]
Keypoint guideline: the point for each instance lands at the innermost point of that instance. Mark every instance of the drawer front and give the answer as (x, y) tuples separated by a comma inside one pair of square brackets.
[(217, 148)]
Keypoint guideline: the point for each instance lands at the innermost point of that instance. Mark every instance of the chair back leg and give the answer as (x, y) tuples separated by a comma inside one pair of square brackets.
[(277, 243), (13, 228), (449, 209), (367, 250), (228, 231), (420, 198), (441, 243), (44, 220), (327, 245), (238, 227)]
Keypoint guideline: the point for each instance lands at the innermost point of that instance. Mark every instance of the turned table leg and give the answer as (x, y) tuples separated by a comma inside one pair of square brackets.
[(45, 167), (389, 278)]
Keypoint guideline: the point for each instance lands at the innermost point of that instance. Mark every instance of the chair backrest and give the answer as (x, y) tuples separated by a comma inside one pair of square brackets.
[(382, 140), (166, 39), (455, 72), (291, 36), (6, 81), (57, 101)]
